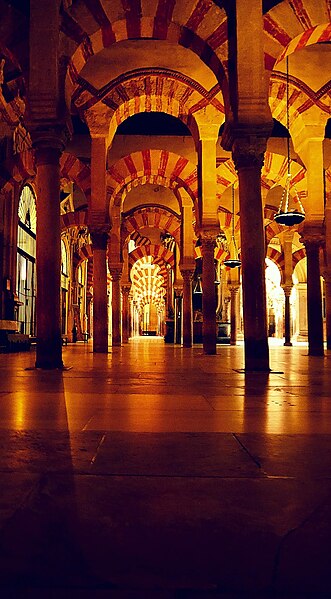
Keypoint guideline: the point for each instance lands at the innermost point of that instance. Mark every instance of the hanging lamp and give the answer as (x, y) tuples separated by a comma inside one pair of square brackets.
[(233, 260), (198, 286), (290, 211)]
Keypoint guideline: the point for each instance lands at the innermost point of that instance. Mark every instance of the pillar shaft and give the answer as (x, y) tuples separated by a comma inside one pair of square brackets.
[(100, 298), (116, 274), (187, 307), (314, 296), (125, 313), (233, 315), (248, 159), (328, 311), (48, 259), (287, 324), (208, 294)]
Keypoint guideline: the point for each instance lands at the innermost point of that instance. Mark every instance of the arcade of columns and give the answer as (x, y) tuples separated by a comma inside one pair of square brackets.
[(244, 102)]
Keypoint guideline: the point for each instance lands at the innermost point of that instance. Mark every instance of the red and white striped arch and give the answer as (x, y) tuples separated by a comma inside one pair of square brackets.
[(153, 217), (73, 169), (158, 253), (297, 256), (276, 257), (149, 90), (178, 170), (292, 25), (74, 219), (197, 25)]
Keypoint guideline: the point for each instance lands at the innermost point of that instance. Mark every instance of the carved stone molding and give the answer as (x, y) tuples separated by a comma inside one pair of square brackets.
[(187, 274), (208, 240), (115, 272), (99, 237), (49, 139), (287, 290), (249, 152), (126, 289)]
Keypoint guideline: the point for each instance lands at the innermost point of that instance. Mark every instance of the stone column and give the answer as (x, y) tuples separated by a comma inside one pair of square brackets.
[(248, 158), (208, 242), (312, 244), (302, 323), (287, 282), (233, 313), (187, 275), (178, 292), (287, 292), (116, 273), (48, 255), (125, 312), (327, 280), (100, 298)]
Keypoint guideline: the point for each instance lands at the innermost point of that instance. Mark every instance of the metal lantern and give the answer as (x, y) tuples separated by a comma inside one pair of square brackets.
[(290, 211), (233, 260)]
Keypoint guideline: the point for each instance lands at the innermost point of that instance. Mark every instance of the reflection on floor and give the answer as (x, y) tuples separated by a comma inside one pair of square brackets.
[(156, 471)]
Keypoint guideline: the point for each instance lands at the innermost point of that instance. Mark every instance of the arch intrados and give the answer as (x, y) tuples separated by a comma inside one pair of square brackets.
[(174, 32)]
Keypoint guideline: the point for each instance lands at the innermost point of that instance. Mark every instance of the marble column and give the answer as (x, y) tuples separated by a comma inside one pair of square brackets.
[(248, 158), (233, 313), (208, 292), (312, 244), (125, 312), (100, 298), (116, 273), (48, 257), (287, 293), (187, 275)]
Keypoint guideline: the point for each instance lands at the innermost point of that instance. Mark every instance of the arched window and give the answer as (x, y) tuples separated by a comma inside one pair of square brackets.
[(26, 259), (64, 259)]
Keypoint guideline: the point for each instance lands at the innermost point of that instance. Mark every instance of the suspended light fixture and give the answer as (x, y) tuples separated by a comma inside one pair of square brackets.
[(233, 260), (290, 211), (198, 286)]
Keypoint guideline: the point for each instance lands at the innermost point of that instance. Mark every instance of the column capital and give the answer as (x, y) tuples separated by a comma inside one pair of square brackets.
[(326, 274), (287, 290), (249, 151), (99, 236), (233, 289), (208, 238), (126, 288), (48, 141), (312, 235), (115, 271), (187, 274)]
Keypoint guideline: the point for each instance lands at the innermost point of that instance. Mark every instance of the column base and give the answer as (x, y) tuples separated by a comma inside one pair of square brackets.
[(100, 348), (318, 352), (49, 365), (49, 354), (209, 351), (187, 344), (257, 355)]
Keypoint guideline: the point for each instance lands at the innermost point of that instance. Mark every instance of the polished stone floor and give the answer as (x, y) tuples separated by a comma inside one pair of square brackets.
[(158, 472)]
